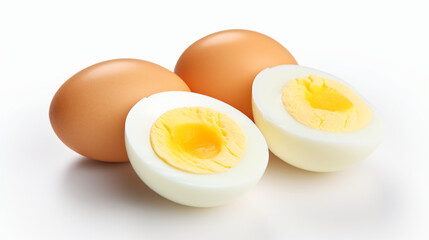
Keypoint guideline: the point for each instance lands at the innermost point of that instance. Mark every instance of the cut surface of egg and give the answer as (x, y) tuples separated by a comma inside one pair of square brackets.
[(193, 149), (314, 120)]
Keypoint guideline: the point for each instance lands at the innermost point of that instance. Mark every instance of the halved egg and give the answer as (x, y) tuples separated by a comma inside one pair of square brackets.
[(193, 149), (312, 119)]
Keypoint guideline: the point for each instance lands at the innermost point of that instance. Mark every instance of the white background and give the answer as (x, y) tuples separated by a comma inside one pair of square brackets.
[(49, 192)]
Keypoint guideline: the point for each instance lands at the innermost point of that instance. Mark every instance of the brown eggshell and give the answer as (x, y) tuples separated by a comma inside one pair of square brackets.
[(223, 65), (88, 112)]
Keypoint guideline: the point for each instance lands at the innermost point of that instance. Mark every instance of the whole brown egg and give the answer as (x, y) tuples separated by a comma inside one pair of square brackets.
[(223, 65), (88, 112)]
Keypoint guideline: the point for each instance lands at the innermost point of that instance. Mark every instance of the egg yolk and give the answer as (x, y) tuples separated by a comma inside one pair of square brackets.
[(198, 140), (325, 104)]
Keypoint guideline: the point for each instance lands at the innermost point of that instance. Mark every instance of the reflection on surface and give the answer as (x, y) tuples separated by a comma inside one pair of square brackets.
[(357, 199), (358, 195)]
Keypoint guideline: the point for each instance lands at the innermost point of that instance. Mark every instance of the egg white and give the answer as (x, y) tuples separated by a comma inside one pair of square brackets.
[(198, 190), (302, 146)]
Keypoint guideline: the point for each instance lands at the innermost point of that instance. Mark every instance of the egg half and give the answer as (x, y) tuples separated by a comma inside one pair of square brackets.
[(314, 120), (193, 149)]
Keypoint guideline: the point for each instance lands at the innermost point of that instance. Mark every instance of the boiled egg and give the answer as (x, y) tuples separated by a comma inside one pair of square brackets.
[(223, 65), (193, 149), (314, 120), (88, 112)]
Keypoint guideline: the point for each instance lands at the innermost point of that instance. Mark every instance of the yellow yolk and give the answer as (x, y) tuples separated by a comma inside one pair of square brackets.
[(198, 140), (325, 104)]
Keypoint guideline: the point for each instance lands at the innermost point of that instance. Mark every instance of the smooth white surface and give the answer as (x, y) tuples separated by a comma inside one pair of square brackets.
[(198, 190), (300, 145), (49, 192)]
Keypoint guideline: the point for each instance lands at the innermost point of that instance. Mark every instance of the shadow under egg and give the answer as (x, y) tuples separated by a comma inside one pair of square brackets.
[(95, 183)]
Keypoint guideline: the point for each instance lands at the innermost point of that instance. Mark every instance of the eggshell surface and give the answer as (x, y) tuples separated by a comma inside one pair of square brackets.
[(197, 190), (300, 145), (88, 112), (223, 65)]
